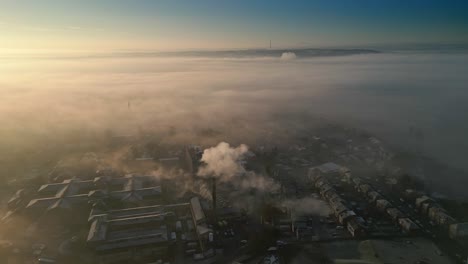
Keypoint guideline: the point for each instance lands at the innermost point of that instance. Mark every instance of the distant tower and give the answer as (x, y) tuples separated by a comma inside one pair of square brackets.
[(270, 43)]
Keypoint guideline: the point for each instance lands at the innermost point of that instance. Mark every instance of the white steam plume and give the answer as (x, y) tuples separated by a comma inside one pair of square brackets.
[(288, 56), (225, 163)]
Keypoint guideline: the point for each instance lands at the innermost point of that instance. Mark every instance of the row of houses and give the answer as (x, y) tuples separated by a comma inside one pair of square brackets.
[(384, 206), (429, 208), (347, 217)]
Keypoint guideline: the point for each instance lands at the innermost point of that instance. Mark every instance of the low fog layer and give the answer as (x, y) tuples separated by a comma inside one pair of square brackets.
[(52, 103)]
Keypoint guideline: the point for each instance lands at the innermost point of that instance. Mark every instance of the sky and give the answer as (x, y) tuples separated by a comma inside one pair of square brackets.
[(208, 24)]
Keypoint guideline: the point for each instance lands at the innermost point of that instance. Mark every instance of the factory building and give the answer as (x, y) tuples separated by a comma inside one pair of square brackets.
[(113, 239), (130, 191), (66, 199), (68, 203), (149, 231), (63, 202)]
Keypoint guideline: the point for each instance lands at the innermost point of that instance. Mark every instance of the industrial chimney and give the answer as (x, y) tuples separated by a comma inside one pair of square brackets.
[(213, 195)]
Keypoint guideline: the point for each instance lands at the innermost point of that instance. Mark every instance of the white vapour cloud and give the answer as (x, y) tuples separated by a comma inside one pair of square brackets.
[(222, 162), (288, 56), (225, 163)]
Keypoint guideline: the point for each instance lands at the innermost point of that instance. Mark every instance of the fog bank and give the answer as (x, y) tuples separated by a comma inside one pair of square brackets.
[(45, 102)]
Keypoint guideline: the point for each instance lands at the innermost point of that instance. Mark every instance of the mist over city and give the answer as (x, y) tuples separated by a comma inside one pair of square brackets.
[(233, 133)]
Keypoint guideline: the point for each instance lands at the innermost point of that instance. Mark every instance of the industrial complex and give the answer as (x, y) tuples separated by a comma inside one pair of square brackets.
[(274, 206)]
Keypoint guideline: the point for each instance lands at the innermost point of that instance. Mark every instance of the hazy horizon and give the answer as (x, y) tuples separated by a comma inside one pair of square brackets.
[(385, 93)]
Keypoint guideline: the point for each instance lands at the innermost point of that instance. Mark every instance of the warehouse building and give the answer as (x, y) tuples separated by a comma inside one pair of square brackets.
[(149, 231)]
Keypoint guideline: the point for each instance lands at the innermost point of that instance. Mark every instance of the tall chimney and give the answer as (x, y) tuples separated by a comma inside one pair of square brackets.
[(213, 195)]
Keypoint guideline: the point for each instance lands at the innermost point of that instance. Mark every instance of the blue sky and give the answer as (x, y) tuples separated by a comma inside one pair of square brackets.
[(160, 25)]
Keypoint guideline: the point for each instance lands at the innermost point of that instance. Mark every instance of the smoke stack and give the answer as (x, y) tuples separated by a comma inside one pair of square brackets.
[(213, 194)]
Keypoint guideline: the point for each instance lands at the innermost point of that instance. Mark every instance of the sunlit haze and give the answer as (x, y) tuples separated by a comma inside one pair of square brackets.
[(253, 132)]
